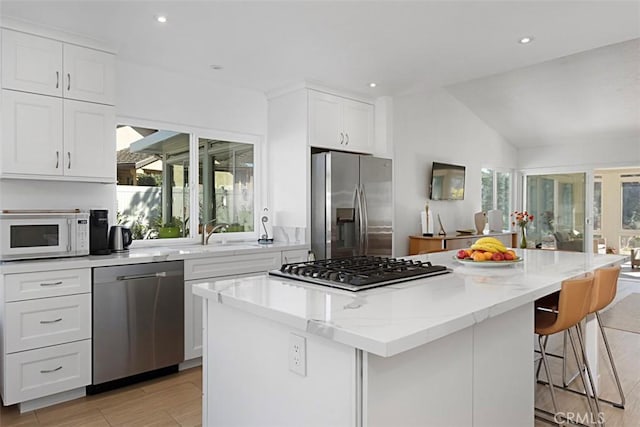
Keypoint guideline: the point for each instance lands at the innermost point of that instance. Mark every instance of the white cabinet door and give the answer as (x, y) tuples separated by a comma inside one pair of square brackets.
[(192, 323), (31, 63), (325, 121), (31, 134), (89, 75), (89, 140), (340, 123), (358, 126)]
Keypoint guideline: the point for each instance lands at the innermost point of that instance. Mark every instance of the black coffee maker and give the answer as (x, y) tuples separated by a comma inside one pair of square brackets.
[(98, 232)]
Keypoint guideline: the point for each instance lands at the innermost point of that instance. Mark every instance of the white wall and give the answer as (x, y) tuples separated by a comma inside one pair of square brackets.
[(433, 126), (149, 94), (154, 94), (609, 153)]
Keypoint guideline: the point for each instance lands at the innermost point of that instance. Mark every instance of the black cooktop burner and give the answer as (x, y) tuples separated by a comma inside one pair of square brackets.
[(358, 273)]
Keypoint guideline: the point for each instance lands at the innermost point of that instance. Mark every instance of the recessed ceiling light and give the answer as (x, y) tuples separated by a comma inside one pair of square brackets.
[(372, 84), (216, 67), (525, 40), (161, 18)]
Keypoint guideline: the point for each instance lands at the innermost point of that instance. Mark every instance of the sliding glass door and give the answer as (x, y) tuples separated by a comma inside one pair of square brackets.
[(557, 202)]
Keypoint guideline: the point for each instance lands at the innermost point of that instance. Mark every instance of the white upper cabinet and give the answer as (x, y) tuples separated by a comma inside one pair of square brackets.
[(48, 136), (89, 140), (89, 75), (31, 134), (340, 123), (58, 119), (31, 64), (49, 67)]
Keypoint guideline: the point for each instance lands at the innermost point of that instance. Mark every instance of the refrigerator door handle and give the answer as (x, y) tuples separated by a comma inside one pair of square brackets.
[(357, 203), (365, 223)]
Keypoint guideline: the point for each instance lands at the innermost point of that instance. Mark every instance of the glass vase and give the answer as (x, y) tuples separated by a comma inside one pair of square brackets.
[(523, 238)]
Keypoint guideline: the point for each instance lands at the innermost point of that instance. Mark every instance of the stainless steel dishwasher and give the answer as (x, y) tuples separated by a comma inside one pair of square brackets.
[(138, 319)]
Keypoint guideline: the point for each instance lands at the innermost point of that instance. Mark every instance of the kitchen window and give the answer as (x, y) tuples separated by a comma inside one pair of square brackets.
[(156, 196), (496, 192)]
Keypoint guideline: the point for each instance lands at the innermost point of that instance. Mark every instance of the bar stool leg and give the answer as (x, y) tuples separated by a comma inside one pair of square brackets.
[(546, 338), (545, 362), (613, 365), (589, 374), (582, 374), (564, 360)]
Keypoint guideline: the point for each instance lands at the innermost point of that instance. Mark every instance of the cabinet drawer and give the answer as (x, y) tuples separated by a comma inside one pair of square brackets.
[(48, 321), (43, 284), (295, 255), (37, 373), (231, 265)]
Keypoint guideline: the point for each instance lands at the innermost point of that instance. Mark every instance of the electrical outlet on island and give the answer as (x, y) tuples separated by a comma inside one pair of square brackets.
[(298, 354)]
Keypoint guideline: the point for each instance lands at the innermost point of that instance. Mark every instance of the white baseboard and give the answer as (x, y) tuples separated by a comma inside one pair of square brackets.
[(54, 399)]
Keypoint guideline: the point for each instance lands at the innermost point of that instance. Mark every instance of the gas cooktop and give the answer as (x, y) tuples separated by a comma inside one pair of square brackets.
[(359, 273)]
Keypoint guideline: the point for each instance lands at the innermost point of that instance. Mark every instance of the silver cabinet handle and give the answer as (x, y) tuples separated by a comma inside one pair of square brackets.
[(347, 141), (57, 159), (57, 79), (48, 371), (69, 156), (341, 138), (51, 284), (44, 322), (68, 81)]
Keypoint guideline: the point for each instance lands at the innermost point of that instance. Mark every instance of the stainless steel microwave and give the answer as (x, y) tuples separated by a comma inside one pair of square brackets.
[(29, 234)]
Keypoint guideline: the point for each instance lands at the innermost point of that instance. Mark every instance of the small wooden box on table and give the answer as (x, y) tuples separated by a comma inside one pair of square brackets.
[(421, 244)]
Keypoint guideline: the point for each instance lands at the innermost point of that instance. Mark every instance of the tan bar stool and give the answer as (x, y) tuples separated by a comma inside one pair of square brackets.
[(574, 300), (605, 286)]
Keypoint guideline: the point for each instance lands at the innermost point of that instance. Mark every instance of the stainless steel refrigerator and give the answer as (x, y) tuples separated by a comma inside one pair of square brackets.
[(351, 205)]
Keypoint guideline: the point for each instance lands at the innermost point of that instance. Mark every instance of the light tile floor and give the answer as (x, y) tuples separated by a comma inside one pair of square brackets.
[(175, 400)]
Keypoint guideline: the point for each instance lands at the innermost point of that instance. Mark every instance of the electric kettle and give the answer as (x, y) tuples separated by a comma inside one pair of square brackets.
[(119, 238)]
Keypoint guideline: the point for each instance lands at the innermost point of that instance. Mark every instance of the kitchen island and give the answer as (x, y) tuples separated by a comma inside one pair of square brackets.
[(450, 350)]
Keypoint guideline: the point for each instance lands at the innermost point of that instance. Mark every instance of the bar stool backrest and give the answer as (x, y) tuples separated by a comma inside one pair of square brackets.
[(605, 286), (573, 304)]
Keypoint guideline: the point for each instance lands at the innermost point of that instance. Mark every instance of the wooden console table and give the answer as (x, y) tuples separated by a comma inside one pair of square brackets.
[(420, 244)]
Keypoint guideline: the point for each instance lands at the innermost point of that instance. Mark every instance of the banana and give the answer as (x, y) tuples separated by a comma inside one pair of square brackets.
[(485, 247), (489, 244), (499, 248), (492, 240)]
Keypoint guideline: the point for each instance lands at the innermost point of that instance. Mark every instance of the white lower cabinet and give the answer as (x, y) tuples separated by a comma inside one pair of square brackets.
[(218, 268), (45, 327), (45, 371), (47, 321)]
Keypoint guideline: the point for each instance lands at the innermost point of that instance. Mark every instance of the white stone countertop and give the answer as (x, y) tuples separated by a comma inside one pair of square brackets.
[(392, 319), (147, 254)]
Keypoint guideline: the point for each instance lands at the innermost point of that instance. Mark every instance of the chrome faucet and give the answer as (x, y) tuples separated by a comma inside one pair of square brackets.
[(206, 236)]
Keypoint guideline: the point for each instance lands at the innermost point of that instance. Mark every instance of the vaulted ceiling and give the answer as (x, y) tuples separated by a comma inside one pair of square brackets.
[(577, 80)]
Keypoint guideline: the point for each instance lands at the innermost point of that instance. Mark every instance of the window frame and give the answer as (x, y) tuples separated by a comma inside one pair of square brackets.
[(624, 232), (195, 133), (512, 194)]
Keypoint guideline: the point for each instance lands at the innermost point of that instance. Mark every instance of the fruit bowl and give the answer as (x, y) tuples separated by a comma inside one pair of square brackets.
[(504, 263), (489, 252)]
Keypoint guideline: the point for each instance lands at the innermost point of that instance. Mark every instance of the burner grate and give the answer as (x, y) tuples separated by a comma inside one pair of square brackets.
[(361, 272)]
